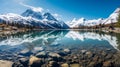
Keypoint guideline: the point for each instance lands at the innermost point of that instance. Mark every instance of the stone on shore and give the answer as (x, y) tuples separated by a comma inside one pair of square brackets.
[(4, 63), (74, 65), (107, 64), (65, 65)]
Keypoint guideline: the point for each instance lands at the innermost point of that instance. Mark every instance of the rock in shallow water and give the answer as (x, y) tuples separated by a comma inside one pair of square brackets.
[(35, 62), (25, 52), (37, 49), (24, 61), (83, 51), (53, 64), (41, 55), (66, 50), (54, 54)]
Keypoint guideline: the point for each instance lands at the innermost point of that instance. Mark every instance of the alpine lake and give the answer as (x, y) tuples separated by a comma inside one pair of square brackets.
[(61, 48)]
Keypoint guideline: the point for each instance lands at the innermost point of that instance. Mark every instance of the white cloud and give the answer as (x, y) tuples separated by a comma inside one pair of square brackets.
[(37, 9)]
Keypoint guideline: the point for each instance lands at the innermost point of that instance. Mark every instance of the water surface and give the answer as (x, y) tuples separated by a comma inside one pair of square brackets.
[(56, 40)]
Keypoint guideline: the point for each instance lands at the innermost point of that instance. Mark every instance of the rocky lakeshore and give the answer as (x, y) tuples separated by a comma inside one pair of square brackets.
[(64, 58)]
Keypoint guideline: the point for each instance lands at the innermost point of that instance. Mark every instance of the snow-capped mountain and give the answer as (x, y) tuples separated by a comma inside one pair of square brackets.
[(83, 22), (113, 17), (34, 18), (49, 16), (32, 13)]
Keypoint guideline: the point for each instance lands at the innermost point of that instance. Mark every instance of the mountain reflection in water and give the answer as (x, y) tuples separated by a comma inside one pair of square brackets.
[(60, 38)]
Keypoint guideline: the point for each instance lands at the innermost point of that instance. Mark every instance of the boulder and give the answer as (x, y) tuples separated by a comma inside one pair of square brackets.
[(24, 61), (4, 63), (35, 62), (65, 65)]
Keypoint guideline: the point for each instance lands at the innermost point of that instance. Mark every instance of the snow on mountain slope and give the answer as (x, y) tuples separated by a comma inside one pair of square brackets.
[(49, 16), (32, 13), (113, 17), (76, 23), (82, 22), (34, 18)]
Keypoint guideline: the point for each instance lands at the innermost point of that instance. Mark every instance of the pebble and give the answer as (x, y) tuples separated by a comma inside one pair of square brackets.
[(107, 64)]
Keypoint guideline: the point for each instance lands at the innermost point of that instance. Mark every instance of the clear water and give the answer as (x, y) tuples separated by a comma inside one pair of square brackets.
[(58, 39)]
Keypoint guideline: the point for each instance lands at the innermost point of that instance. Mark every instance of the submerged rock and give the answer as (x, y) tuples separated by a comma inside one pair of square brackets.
[(24, 61), (25, 52), (53, 64), (41, 55), (83, 51), (62, 53), (54, 55), (35, 62), (66, 50), (37, 49)]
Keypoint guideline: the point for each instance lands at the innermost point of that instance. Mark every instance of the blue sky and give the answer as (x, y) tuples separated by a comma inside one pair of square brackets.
[(66, 9)]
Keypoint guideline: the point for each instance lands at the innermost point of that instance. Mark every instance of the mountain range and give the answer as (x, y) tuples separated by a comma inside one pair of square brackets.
[(47, 21), (34, 18), (84, 22)]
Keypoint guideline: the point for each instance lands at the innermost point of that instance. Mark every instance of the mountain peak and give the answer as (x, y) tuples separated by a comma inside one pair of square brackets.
[(32, 13), (37, 9), (49, 16), (117, 10)]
